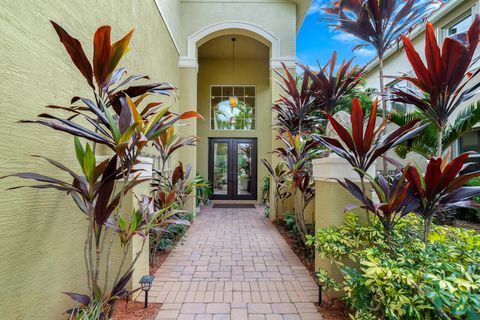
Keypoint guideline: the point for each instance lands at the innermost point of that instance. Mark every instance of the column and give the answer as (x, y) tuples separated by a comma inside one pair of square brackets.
[(188, 102)]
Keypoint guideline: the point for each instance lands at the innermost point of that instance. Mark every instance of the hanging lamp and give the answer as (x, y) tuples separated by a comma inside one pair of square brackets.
[(233, 99)]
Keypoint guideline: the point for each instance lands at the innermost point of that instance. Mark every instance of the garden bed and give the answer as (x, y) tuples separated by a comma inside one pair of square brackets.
[(133, 310)]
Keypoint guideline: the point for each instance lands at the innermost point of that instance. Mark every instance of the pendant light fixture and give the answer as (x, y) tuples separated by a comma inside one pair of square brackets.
[(233, 99)]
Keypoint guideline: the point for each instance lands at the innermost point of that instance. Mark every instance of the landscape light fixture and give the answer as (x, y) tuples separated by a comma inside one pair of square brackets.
[(317, 281), (146, 283)]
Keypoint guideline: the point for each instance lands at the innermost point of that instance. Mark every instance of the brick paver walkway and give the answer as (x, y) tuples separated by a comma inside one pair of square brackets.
[(234, 264)]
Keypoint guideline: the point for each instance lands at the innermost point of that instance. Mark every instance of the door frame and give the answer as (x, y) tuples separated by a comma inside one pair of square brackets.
[(232, 179)]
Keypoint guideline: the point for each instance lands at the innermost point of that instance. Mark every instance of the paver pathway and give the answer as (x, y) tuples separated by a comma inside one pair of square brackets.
[(234, 264)]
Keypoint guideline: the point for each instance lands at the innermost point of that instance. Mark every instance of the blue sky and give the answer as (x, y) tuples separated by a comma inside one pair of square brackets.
[(316, 41)]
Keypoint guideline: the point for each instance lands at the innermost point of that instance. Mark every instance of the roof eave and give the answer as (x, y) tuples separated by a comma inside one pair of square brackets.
[(302, 10)]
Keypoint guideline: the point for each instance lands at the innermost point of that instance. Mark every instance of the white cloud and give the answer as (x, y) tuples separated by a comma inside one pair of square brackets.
[(344, 37), (316, 7), (365, 53)]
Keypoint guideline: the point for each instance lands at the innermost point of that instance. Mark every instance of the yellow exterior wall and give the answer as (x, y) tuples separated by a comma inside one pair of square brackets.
[(276, 16), (42, 232), (248, 72)]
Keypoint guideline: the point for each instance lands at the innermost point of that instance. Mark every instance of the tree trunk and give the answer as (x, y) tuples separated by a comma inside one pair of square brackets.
[(364, 191), (426, 228), (440, 143), (384, 105)]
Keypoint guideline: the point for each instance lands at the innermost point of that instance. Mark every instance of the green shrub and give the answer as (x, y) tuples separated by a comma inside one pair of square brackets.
[(174, 230), (467, 213), (189, 216), (165, 243), (290, 222), (409, 280)]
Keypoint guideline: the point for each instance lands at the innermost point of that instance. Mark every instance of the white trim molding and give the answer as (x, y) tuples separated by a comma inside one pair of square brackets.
[(290, 62), (239, 27)]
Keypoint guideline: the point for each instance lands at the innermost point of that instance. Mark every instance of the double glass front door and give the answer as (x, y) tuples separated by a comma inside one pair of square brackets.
[(232, 168)]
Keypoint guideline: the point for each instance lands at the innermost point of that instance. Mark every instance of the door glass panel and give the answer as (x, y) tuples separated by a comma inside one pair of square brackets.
[(220, 158), (244, 173)]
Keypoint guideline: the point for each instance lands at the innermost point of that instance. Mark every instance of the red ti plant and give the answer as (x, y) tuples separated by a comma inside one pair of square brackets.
[(295, 108), (396, 200), (441, 188), (331, 83), (443, 83), (378, 23), (297, 155), (361, 148), (114, 118)]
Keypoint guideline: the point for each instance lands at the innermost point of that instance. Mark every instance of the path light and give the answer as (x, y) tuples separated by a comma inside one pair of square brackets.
[(146, 283), (317, 281)]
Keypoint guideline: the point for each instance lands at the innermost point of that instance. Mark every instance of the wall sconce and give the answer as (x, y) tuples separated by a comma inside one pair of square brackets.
[(315, 276), (146, 283)]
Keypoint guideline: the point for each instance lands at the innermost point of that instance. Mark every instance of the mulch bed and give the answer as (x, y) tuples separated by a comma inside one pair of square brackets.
[(334, 309), (132, 310), (467, 225)]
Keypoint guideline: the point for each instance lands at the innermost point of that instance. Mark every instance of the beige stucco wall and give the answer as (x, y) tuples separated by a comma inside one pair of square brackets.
[(248, 72), (276, 16), (42, 232)]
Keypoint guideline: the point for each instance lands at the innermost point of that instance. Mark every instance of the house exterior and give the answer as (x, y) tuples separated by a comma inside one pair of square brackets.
[(455, 16), (188, 43)]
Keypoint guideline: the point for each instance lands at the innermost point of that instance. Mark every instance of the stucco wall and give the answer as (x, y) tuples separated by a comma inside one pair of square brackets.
[(276, 16), (42, 232), (248, 72)]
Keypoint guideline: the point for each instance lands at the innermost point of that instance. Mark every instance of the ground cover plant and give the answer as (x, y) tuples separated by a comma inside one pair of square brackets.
[(403, 279), (117, 121)]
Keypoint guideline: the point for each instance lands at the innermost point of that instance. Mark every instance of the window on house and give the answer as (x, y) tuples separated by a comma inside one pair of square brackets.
[(460, 25), (225, 117), (471, 142), (399, 106)]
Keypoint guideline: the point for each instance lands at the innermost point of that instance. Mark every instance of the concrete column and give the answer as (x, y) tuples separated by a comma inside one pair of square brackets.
[(276, 92), (331, 199), (188, 102)]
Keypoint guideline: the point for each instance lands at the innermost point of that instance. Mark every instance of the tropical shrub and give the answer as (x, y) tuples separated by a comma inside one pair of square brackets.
[(405, 279), (115, 118), (281, 182), (361, 148), (442, 187), (379, 24), (297, 154), (443, 83), (203, 190), (332, 83)]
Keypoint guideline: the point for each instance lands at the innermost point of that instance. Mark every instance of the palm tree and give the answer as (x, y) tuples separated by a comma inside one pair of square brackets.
[(426, 143)]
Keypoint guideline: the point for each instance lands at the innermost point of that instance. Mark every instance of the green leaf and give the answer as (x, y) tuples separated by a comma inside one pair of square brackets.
[(113, 124), (79, 151), (127, 135), (89, 163)]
